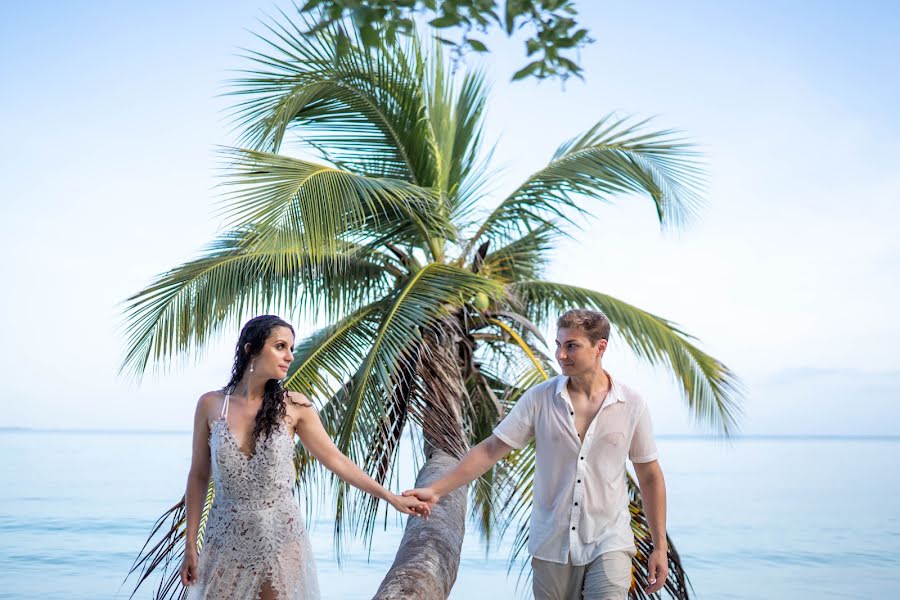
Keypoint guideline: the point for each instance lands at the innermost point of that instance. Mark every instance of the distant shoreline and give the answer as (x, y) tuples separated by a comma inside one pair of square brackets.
[(661, 436)]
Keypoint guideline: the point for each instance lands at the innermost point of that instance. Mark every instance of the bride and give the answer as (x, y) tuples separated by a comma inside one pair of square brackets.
[(256, 546)]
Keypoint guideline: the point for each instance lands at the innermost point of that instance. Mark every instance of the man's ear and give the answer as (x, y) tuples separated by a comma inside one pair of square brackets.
[(601, 345)]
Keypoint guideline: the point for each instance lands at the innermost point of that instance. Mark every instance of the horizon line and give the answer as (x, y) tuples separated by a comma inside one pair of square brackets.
[(659, 436)]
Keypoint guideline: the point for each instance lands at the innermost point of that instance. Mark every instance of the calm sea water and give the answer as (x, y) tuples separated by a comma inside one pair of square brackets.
[(756, 518)]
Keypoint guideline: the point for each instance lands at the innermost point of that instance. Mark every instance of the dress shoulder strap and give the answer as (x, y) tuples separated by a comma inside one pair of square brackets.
[(224, 413)]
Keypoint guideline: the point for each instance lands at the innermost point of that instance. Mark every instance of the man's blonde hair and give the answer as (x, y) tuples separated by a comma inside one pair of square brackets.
[(593, 323)]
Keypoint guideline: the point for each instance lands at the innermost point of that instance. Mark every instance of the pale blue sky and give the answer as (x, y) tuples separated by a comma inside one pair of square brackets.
[(111, 114)]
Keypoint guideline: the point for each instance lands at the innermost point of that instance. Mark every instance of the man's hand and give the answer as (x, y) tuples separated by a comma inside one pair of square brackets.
[(409, 505), (657, 570), (426, 495)]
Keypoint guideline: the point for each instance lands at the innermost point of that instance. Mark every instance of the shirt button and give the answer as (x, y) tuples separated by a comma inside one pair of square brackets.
[(579, 481), (582, 458), (576, 504), (573, 529), (571, 413)]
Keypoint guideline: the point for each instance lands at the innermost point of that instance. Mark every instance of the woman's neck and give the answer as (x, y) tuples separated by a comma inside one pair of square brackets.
[(251, 387)]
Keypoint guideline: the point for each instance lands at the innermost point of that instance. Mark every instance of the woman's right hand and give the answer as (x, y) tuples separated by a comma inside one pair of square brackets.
[(189, 569)]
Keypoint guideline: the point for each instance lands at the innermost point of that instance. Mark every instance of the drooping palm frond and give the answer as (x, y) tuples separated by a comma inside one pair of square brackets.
[(677, 583), (236, 274), (710, 389), (165, 556), (323, 365), (613, 157), (324, 360)]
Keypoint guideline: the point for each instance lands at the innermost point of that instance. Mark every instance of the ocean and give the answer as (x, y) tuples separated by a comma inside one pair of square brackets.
[(757, 517)]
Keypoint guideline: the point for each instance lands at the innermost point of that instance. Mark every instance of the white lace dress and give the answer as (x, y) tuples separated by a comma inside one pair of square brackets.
[(255, 536)]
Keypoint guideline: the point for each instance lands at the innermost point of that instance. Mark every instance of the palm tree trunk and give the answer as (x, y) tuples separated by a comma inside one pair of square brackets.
[(427, 562)]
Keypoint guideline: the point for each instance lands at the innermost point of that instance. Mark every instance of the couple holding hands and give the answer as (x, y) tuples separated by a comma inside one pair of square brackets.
[(585, 425)]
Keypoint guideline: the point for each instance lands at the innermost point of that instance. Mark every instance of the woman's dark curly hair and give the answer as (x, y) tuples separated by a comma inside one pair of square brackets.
[(255, 332)]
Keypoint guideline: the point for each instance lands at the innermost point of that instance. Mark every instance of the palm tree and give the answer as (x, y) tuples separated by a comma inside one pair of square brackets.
[(434, 303)]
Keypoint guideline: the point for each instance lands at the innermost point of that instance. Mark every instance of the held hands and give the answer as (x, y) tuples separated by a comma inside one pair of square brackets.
[(409, 506), (657, 570), (189, 568), (426, 495)]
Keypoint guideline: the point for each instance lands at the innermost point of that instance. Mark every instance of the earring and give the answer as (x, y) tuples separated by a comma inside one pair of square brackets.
[(251, 366)]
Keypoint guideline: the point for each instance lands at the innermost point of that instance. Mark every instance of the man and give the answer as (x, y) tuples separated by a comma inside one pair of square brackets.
[(584, 424)]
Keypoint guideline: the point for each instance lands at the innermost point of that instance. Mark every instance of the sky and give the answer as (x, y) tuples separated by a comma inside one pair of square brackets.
[(112, 113)]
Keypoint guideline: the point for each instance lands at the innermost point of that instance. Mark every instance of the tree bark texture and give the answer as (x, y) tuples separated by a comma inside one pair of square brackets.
[(427, 562)]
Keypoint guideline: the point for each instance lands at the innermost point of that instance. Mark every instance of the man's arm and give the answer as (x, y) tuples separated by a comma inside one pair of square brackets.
[(473, 465), (653, 495)]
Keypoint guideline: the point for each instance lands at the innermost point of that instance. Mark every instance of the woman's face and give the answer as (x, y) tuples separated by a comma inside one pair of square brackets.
[(276, 355)]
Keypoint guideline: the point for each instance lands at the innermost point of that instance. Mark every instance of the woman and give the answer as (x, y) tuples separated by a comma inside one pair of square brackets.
[(256, 546)]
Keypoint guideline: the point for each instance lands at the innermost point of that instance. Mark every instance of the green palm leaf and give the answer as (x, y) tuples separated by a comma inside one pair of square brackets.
[(325, 205), (711, 390), (361, 110), (236, 274), (613, 157), (523, 258)]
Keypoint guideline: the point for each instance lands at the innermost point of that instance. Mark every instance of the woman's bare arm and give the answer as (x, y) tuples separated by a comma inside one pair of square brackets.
[(308, 426), (198, 476)]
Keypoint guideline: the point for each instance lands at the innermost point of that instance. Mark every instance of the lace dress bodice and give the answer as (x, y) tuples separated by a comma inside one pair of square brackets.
[(255, 536)]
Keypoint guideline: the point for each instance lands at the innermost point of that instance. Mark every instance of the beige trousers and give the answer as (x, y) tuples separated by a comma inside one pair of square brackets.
[(607, 577)]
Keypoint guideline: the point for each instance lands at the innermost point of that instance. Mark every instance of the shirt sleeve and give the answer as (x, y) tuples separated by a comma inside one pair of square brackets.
[(643, 446), (517, 428)]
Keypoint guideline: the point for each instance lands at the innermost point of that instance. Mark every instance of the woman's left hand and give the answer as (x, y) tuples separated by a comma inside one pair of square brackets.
[(409, 505)]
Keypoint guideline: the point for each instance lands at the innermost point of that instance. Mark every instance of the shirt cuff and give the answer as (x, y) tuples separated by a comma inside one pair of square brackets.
[(645, 459), (507, 440)]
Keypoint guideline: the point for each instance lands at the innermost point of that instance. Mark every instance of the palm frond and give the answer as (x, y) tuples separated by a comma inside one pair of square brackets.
[(323, 363), (361, 110), (455, 119), (677, 584), (523, 258), (711, 390), (423, 302), (522, 344), (164, 556), (236, 274), (470, 169), (613, 157), (325, 205)]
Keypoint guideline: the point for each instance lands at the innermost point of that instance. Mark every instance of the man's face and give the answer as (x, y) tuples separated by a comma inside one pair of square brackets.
[(575, 353)]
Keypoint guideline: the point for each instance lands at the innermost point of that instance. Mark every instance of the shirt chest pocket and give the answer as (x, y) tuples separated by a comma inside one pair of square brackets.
[(609, 452)]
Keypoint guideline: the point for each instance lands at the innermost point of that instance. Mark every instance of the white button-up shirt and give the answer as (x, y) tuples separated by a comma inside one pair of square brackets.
[(580, 504)]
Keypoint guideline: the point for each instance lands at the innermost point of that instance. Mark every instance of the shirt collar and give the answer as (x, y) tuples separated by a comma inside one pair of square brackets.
[(614, 395)]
